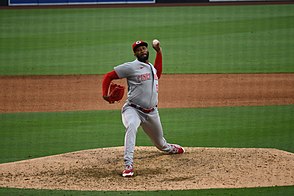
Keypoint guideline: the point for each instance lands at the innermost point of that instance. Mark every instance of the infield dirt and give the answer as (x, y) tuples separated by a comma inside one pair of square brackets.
[(83, 92)]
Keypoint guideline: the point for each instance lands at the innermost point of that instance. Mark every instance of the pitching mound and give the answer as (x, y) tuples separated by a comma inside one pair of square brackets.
[(198, 168)]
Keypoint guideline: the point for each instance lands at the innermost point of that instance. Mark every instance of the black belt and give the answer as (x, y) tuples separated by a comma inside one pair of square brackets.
[(142, 109)]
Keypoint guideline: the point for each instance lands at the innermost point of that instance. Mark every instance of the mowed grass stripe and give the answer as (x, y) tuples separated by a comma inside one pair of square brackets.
[(30, 135), (215, 39)]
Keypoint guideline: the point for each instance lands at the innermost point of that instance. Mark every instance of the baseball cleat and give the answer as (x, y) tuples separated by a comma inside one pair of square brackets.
[(128, 172), (176, 149)]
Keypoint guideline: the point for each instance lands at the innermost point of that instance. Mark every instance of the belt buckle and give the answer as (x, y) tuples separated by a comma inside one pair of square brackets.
[(142, 109), (147, 110)]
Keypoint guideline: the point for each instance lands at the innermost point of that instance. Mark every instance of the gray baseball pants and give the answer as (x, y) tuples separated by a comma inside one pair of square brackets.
[(150, 122)]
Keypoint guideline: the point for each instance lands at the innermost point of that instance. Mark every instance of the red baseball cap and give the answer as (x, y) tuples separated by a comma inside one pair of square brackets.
[(139, 43)]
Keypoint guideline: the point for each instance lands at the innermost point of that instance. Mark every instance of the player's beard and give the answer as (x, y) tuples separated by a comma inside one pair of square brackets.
[(143, 58)]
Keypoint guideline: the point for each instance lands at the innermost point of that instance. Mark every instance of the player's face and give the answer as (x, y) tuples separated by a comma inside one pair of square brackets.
[(142, 53)]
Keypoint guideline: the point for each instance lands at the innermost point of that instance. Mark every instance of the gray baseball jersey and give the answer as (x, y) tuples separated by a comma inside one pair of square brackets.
[(142, 83), (143, 91)]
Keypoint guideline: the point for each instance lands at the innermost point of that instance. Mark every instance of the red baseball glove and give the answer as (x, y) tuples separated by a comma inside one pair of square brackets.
[(116, 93)]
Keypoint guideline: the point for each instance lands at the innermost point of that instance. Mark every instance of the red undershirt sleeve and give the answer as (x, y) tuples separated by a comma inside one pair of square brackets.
[(158, 64), (107, 80)]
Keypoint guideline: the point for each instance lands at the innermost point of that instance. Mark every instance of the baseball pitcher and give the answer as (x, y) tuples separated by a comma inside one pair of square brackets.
[(140, 108)]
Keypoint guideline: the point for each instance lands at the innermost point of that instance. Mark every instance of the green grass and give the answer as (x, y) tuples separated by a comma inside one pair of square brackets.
[(30, 135), (214, 39), (270, 191)]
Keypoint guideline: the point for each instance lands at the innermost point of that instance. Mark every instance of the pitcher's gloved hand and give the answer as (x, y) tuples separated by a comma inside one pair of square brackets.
[(116, 93)]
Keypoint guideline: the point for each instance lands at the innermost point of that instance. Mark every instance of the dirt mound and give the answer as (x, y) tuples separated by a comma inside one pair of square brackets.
[(198, 168)]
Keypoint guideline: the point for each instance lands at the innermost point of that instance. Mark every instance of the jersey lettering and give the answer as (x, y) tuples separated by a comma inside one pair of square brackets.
[(144, 77)]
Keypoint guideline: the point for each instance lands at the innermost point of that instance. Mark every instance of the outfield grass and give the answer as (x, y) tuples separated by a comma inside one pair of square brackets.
[(30, 135), (214, 39)]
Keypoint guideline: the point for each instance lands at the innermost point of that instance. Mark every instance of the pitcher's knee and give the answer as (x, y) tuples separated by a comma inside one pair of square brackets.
[(132, 126)]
